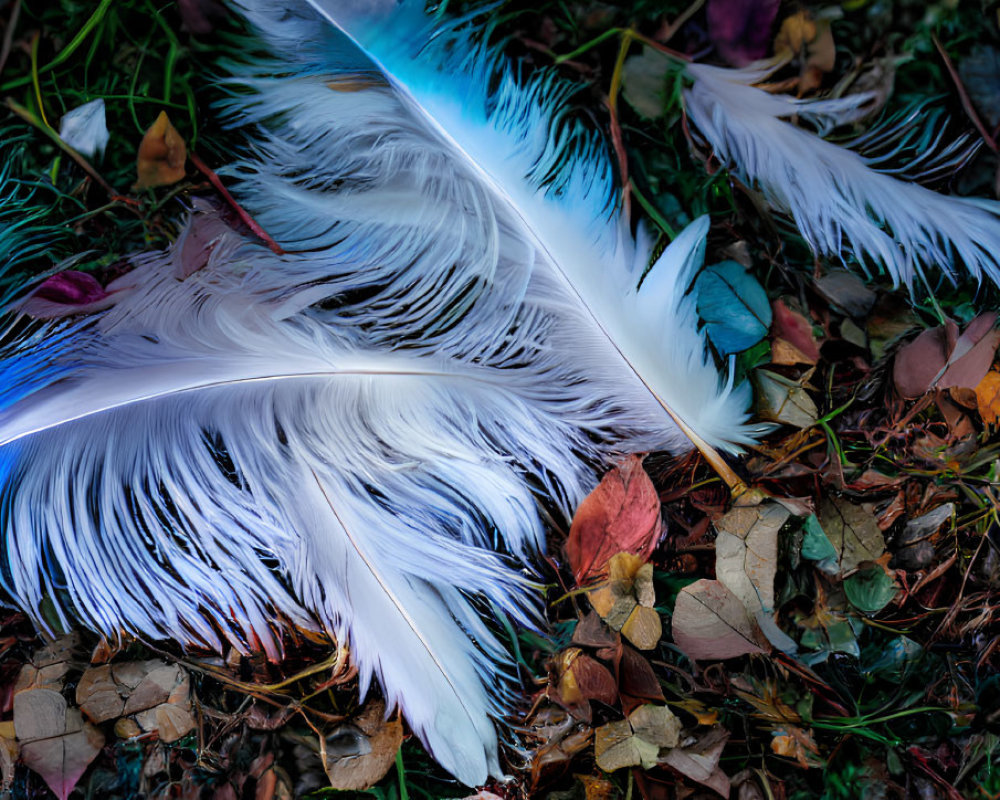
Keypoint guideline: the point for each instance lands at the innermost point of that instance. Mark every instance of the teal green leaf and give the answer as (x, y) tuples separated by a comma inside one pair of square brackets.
[(870, 590), (733, 306), (816, 545)]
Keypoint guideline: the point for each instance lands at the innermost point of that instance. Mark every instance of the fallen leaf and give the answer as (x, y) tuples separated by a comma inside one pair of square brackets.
[(56, 742), (162, 155), (621, 515), (643, 628), (595, 788), (592, 632), (941, 358), (644, 79), (870, 590), (710, 622), (636, 741), (582, 679), (853, 534), (988, 397), (794, 742), (746, 553), (625, 601), (792, 337), (361, 751), (699, 760), (810, 39), (155, 694), (784, 400), (733, 306), (9, 753), (846, 291), (656, 724), (637, 683), (616, 747), (741, 29)]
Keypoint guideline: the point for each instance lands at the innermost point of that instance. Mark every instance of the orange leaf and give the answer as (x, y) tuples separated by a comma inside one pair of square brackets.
[(988, 397), (162, 154), (621, 515)]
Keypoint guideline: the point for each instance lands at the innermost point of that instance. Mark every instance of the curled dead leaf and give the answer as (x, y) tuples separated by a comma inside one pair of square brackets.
[(162, 155), (361, 751)]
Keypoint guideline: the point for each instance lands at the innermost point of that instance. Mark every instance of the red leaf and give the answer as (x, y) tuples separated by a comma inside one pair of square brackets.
[(940, 358), (792, 327), (637, 683), (741, 29), (621, 514)]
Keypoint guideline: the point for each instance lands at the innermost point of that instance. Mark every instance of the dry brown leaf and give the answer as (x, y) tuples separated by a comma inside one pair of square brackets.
[(941, 358), (700, 761), (746, 552), (810, 40), (162, 155), (792, 335), (854, 533), (794, 742), (710, 622), (988, 397), (784, 400), (625, 601), (361, 751), (656, 725), (643, 628), (56, 742), (582, 679), (9, 752), (156, 694), (621, 514), (636, 741)]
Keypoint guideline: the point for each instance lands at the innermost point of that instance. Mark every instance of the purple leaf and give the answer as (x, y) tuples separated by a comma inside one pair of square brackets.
[(741, 29)]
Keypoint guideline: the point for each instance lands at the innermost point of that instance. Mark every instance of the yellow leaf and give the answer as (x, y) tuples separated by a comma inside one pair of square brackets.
[(811, 40), (162, 155), (643, 628), (988, 397)]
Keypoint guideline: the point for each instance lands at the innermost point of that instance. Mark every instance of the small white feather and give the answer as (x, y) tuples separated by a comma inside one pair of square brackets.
[(839, 203)]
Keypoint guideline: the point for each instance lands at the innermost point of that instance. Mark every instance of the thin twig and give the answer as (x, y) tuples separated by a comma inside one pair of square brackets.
[(678, 23), (964, 96), (249, 221), (8, 34)]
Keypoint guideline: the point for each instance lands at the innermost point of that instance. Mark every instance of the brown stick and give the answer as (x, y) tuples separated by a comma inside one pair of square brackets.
[(249, 221), (964, 96)]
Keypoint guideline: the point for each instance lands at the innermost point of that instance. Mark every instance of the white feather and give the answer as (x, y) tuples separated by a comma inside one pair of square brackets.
[(839, 203), (467, 205), (201, 456)]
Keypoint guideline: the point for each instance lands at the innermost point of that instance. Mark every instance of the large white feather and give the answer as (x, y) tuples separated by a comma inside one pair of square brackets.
[(207, 455), (448, 184), (839, 203)]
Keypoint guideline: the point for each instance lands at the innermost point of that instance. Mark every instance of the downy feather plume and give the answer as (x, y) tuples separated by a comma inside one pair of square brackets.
[(207, 457), (837, 199), (455, 206)]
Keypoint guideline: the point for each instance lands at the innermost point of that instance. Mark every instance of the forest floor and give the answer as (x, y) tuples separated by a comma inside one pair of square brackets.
[(833, 631)]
